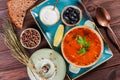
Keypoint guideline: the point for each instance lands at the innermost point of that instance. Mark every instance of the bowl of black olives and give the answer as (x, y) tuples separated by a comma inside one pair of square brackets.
[(71, 15)]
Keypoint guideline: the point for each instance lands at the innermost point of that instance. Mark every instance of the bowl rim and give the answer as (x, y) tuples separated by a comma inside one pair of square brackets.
[(22, 40), (102, 47), (75, 8)]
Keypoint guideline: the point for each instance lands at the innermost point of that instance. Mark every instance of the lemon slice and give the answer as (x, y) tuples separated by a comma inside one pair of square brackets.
[(58, 35)]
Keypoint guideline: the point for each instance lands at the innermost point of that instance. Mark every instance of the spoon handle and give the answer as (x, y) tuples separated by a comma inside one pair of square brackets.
[(115, 37), (55, 4)]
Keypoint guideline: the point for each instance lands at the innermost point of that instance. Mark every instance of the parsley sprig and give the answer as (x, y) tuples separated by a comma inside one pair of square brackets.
[(84, 43)]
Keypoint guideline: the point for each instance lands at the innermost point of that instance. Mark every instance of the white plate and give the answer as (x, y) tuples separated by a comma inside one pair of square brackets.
[(51, 57)]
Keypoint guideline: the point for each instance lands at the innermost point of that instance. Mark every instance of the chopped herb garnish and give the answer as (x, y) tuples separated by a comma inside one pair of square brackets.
[(80, 40), (84, 43), (82, 50), (87, 45)]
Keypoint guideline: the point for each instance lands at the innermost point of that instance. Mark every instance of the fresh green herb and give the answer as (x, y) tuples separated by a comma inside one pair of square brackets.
[(80, 40), (87, 45), (82, 50), (84, 43)]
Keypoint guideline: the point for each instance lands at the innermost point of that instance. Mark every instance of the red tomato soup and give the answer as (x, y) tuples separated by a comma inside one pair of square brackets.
[(70, 47)]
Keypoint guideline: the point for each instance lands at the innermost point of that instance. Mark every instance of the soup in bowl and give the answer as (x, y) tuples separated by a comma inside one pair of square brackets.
[(82, 47)]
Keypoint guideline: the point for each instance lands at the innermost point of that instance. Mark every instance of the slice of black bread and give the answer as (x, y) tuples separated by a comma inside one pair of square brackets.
[(17, 10)]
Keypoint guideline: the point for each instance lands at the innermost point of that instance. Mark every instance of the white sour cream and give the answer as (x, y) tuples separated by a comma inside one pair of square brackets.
[(48, 16)]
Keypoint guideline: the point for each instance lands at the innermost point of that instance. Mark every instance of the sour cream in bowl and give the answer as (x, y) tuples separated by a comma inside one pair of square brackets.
[(49, 16)]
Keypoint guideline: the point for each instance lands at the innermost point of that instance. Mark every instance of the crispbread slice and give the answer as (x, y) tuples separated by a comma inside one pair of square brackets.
[(17, 10)]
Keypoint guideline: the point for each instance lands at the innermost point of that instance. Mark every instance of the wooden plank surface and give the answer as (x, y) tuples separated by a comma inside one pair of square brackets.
[(11, 69)]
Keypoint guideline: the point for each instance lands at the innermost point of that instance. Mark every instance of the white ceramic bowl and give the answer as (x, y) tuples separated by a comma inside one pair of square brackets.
[(48, 16), (28, 38), (81, 66), (75, 7)]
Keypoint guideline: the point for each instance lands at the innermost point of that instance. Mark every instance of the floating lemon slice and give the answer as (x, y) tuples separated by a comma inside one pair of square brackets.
[(58, 35)]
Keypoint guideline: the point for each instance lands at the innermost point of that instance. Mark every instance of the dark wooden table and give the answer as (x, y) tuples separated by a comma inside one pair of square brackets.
[(11, 69)]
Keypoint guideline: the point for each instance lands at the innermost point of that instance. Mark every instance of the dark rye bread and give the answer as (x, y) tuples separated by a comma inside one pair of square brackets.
[(17, 10)]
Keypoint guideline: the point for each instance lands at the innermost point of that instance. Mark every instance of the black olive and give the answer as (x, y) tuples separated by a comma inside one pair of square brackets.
[(75, 15), (77, 11), (65, 14), (73, 22), (66, 18), (70, 9), (67, 11), (76, 19)]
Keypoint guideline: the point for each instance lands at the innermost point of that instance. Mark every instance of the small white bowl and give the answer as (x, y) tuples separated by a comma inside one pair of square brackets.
[(101, 51), (30, 38), (48, 16), (75, 7)]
